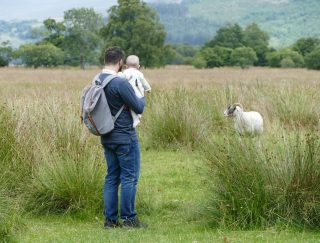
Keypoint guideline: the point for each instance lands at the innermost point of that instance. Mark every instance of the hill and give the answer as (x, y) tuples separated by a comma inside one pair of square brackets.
[(196, 21)]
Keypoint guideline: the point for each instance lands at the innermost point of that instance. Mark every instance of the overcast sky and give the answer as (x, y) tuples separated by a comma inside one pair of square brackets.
[(43, 9)]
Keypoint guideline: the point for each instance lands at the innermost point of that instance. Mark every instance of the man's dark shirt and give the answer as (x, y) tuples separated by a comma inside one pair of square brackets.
[(119, 92)]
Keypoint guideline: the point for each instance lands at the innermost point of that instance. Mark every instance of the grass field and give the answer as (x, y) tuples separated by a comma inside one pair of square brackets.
[(193, 164)]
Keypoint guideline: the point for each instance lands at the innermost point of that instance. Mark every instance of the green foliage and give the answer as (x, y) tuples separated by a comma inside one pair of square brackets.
[(243, 57), (180, 54), (313, 59), (230, 36), (305, 45), (5, 53), (135, 27), (274, 58), (56, 33), (82, 41), (199, 62), (258, 40), (45, 55), (215, 56), (287, 63)]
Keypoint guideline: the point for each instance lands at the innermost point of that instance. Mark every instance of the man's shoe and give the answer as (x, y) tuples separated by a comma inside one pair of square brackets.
[(134, 223), (111, 224)]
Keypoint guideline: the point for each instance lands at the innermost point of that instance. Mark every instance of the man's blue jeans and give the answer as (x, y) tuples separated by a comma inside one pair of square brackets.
[(123, 167)]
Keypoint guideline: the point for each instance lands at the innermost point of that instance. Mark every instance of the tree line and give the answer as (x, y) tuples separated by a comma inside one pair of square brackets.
[(81, 38)]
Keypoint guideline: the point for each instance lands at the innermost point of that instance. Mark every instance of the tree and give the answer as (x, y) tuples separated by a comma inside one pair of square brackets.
[(243, 57), (275, 58), (313, 59), (258, 40), (55, 33), (82, 42), (230, 36), (5, 53), (215, 57), (46, 55), (305, 45), (135, 27)]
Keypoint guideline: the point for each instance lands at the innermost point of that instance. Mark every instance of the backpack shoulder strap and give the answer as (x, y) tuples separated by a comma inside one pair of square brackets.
[(107, 80), (118, 114)]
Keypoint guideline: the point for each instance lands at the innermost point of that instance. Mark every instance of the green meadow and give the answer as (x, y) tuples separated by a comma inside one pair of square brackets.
[(200, 181)]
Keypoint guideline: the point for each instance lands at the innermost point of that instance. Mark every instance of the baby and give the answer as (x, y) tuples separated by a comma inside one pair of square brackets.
[(137, 81)]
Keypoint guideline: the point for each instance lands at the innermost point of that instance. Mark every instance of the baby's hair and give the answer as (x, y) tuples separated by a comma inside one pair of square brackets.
[(133, 60)]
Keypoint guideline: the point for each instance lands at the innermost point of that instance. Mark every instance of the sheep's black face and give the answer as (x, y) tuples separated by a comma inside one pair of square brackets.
[(229, 111)]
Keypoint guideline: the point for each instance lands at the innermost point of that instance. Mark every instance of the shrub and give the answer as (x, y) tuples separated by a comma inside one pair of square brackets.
[(275, 58), (45, 55), (199, 62), (313, 59), (287, 63), (243, 57)]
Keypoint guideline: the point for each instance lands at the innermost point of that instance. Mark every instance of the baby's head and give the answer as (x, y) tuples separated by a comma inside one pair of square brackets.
[(132, 61)]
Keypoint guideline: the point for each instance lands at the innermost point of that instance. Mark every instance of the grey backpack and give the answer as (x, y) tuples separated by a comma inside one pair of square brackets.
[(96, 114)]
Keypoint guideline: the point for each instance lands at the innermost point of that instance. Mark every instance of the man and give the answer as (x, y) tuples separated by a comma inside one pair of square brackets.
[(121, 146)]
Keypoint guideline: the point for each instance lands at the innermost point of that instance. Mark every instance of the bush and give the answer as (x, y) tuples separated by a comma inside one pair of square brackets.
[(45, 55), (287, 63), (313, 59), (275, 58), (243, 57), (199, 62)]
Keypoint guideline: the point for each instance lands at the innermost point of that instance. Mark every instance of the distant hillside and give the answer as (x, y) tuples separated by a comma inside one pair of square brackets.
[(196, 21), (18, 32)]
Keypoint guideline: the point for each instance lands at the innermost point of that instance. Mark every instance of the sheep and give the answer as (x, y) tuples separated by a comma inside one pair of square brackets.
[(250, 123)]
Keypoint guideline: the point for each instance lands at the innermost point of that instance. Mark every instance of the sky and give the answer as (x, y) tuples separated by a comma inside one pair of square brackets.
[(43, 9)]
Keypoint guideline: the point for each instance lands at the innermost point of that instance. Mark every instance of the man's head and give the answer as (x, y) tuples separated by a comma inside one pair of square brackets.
[(114, 56), (132, 61)]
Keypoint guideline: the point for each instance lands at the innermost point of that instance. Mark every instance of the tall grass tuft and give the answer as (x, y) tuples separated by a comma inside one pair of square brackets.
[(10, 218), (301, 202), (70, 169), (239, 175), (15, 167), (174, 120), (296, 107), (256, 185)]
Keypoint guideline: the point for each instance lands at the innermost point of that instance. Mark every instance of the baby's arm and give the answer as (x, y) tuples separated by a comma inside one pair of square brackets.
[(145, 84)]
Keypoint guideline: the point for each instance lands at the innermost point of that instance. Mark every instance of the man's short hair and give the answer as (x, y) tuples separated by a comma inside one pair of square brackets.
[(113, 55), (132, 60)]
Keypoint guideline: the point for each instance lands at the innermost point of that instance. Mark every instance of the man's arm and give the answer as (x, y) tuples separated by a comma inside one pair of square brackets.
[(130, 99)]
